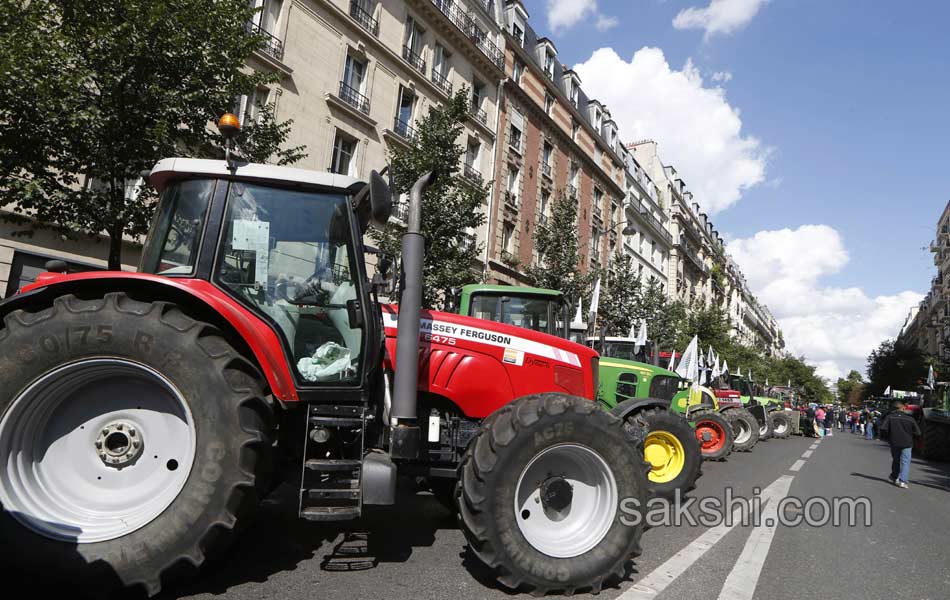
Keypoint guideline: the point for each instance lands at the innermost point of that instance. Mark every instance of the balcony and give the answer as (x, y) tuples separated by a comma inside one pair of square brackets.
[(410, 56), (361, 16), (546, 170), (658, 227), (469, 172), (542, 220), (401, 212), (511, 199), (689, 255), (571, 191), (272, 47), (403, 129), (478, 114), (470, 30), (355, 99), (441, 82), (598, 214)]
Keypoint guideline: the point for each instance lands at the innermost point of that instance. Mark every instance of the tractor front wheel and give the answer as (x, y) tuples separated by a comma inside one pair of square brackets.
[(714, 434), (745, 427), (552, 495), (133, 440), (670, 449), (781, 424)]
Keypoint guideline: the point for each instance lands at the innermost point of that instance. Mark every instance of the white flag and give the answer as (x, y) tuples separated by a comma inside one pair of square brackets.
[(688, 367), (715, 370), (738, 371), (887, 392), (766, 382), (633, 331), (789, 383), (642, 334), (672, 364), (930, 377), (725, 367), (579, 316), (594, 301)]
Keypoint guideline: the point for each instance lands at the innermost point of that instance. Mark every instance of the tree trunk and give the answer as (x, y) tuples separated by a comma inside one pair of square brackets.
[(115, 250)]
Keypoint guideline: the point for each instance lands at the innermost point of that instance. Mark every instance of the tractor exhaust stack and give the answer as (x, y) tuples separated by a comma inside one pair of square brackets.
[(405, 428)]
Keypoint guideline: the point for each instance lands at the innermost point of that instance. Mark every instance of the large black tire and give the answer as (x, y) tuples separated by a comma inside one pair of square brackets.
[(640, 424), (936, 440), (719, 446), (765, 429), (781, 424), (233, 426), (492, 466), (744, 426)]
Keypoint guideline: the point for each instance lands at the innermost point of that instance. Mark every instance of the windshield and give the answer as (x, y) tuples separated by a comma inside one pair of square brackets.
[(622, 350), (172, 244), (289, 254), (539, 314)]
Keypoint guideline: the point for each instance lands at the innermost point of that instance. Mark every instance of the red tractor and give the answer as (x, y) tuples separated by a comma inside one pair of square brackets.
[(145, 414)]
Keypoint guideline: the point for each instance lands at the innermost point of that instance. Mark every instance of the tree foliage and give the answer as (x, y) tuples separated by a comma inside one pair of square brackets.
[(451, 207), (96, 92), (847, 385), (555, 240), (895, 364)]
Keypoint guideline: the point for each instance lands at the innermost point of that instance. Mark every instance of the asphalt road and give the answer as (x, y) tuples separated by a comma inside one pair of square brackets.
[(415, 550)]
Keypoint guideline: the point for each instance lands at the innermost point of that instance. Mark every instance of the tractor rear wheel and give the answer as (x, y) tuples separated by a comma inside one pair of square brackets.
[(765, 429), (714, 434), (133, 441), (552, 494), (781, 424), (745, 427), (670, 449), (936, 439)]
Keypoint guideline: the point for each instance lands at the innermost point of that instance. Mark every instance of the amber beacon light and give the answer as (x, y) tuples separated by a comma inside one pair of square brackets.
[(229, 126)]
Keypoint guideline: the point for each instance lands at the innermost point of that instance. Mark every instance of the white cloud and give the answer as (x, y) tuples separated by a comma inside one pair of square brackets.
[(604, 22), (834, 327), (564, 14), (721, 76), (699, 132), (721, 16)]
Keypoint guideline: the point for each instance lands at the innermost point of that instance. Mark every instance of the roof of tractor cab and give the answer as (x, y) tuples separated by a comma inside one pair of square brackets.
[(169, 169), (510, 289)]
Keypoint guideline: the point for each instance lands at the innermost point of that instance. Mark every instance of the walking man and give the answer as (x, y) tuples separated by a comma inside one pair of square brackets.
[(869, 425), (901, 429)]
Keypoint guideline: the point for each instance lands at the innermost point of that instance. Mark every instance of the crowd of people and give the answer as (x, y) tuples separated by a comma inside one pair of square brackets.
[(822, 420)]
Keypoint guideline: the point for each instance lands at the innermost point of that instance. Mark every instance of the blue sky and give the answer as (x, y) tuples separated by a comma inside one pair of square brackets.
[(846, 106)]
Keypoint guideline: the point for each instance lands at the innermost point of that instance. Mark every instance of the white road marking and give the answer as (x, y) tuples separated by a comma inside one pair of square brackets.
[(797, 466), (813, 447), (741, 581), (648, 587), (807, 453)]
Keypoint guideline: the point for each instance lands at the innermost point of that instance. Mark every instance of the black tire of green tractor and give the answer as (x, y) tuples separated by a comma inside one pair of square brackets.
[(494, 461), (936, 437), (781, 424), (765, 430), (726, 449), (641, 423), (233, 444), (743, 421)]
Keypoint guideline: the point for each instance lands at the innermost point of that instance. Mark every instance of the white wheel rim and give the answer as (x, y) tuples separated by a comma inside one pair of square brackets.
[(583, 523), (764, 429), (55, 480), (780, 426), (744, 432)]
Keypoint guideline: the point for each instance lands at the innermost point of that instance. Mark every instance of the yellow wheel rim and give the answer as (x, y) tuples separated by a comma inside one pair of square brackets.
[(665, 454)]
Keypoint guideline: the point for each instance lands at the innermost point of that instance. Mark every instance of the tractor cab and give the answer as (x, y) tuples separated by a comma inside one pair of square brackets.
[(532, 308)]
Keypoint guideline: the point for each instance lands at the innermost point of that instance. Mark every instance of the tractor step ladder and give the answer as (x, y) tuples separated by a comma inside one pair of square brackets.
[(330, 484)]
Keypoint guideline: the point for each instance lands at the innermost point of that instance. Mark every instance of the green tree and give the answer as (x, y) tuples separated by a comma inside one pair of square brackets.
[(665, 318), (451, 207), (556, 242), (96, 92), (710, 323), (620, 295), (846, 385), (895, 364)]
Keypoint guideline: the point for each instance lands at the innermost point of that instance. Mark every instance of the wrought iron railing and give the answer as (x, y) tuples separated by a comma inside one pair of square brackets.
[(478, 114), (362, 16), (441, 82), (511, 199), (469, 172), (355, 99), (571, 191), (401, 211), (410, 56), (467, 26), (546, 170), (272, 44), (402, 128)]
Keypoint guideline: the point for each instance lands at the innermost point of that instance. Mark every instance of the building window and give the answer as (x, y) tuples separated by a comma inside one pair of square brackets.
[(575, 88), (597, 119), (507, 235), (574, 177), (440, 67), (518, 33), (344, 153), (249, 106), (575, 128), (514, 137), (547, 150), (516, 71), (543, 207), (471, 152), (514, 176), (548, 103), (549, 64), (407, 101)]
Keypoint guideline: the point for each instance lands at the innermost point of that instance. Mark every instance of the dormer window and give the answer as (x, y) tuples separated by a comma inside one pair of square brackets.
[(517, 32), (549, 64)]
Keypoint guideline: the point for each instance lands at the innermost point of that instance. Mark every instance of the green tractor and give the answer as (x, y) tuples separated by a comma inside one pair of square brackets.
[(770, 412), (652, 401)]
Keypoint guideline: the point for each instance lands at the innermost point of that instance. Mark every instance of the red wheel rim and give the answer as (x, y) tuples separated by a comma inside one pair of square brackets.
[(715, 434)]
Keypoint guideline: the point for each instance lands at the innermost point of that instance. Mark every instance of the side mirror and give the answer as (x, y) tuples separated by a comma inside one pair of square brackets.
[(452, 298), (374, 203), (56, 266)]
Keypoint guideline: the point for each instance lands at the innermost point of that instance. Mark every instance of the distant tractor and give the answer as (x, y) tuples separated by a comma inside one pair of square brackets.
[(934, 419), (145, 414), (769, 412), (641, 394)]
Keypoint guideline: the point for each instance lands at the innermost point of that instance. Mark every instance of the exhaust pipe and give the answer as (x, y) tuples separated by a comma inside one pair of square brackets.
[(404, 438)]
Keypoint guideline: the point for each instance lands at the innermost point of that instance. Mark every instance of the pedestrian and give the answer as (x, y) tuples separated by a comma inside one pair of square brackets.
[(820, 422), (869, 426), (842, 419), (829, 421), (862, 419), (810, 419), (901, 429)]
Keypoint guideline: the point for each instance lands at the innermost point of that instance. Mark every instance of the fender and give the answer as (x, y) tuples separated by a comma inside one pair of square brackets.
[(628, 407), (209, 302)]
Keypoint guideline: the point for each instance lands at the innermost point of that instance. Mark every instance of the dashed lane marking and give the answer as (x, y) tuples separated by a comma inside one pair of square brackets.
[(741, 582), (807, 453), (797, 466)]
